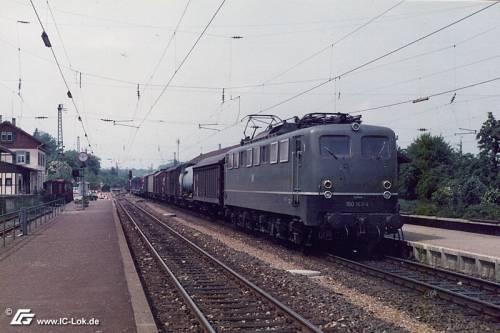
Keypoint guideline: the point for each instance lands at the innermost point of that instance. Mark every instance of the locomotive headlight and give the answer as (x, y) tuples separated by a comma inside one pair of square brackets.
[(328, 194), (328, 184), (387, 195), (387, 184), (355, 127)]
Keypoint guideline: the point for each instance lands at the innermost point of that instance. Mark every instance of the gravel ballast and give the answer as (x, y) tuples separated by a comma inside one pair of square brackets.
[(349, 301)]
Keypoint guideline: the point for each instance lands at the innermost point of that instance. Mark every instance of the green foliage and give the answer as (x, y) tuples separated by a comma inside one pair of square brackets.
[(59, 170), (440, 181), (443, 196), (93, 164), (491, 196), (467, 191), (50, 144), (489, 145)]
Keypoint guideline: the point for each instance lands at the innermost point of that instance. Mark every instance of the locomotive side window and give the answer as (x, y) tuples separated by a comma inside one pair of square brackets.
[(256, 155), (284, 144), (375, 147), (273, 153), (337, 146), (264, 154), (236, 160), (249, 157), (230, 161), (243, 159)]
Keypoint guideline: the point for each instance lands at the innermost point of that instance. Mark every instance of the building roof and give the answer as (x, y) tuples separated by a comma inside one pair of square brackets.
[(16, 168), (40, 144), (5, 150)]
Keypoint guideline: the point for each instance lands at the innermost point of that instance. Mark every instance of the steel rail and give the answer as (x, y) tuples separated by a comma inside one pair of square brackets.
[(301, 321), (449, 295), (194, 308), (458, 277)]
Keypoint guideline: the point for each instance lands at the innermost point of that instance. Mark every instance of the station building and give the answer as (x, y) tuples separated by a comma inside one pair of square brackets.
[(22, 161)]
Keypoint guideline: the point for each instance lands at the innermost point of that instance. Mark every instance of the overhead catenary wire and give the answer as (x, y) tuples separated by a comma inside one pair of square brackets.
[(377, 58), (427, 97), (59, 34), (155, 102), (44, 34), (315, 54), (162, 56)]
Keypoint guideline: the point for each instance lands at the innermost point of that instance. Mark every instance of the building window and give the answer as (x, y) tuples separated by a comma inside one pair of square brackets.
[(249, 157), (20, 158), (6, 136), (8, 181), (284, 150), (256, 155), (274, 153), (41, 159)]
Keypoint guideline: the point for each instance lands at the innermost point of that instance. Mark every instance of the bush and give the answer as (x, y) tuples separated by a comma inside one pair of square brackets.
[(468, 191), (443, 196), (491, 196)]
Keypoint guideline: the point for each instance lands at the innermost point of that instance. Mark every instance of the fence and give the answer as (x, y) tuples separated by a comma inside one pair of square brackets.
[(23, 221)]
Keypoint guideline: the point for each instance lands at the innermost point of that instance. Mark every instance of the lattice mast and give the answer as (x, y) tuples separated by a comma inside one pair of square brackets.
[(60, 144)]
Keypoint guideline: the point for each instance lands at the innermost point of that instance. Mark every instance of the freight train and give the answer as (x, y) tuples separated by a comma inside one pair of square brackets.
[(324, 177)]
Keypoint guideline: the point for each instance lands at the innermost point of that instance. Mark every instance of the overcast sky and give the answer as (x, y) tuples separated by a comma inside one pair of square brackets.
[(117, 44)]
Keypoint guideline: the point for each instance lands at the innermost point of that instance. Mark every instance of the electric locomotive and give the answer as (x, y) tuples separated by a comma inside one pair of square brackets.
[(323, 177)]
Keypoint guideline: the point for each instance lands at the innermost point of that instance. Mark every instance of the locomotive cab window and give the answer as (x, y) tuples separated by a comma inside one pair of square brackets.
[(249, 157), (336, 146), (284, 144), (273, 153), (230, 161), (256, 155), (375, 147)]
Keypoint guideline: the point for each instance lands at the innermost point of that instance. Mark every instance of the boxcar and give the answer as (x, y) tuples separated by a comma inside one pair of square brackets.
[(208, 181), (57, 189)]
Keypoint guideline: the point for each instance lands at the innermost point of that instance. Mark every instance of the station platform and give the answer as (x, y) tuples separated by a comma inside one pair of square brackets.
[(70, 273), (470, 253)]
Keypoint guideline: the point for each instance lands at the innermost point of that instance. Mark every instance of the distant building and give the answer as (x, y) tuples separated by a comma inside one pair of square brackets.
[(22, 161)]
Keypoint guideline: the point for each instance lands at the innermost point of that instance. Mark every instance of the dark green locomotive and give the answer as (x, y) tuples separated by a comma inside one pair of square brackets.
[(324, 176)]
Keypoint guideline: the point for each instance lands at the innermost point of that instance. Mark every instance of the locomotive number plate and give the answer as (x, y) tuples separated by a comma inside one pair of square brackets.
[(356, 203)]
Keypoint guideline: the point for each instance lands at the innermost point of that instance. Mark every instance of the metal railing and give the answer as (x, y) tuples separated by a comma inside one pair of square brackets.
[(23, 221)]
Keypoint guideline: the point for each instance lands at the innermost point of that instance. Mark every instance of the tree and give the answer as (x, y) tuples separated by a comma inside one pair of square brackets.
[(489, 145), (430, 164), (59, 170), (93, 164), (49, 142)]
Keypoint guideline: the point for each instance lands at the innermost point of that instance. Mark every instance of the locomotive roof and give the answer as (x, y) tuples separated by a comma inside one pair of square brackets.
[(296, 123)]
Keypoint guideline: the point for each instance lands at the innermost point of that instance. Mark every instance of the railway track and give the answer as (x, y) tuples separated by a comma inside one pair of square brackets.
[(477, 294), (221, 299)]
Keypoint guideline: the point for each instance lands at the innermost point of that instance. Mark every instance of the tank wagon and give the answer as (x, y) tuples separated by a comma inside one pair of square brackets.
[(324, 177)]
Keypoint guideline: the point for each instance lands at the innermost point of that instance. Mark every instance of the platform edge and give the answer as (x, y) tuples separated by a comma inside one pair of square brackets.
[(143, 317)]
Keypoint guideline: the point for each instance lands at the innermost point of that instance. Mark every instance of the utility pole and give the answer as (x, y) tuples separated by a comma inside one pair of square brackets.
[(78, 144), (178, 156), (60, 145), (465, 131)]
